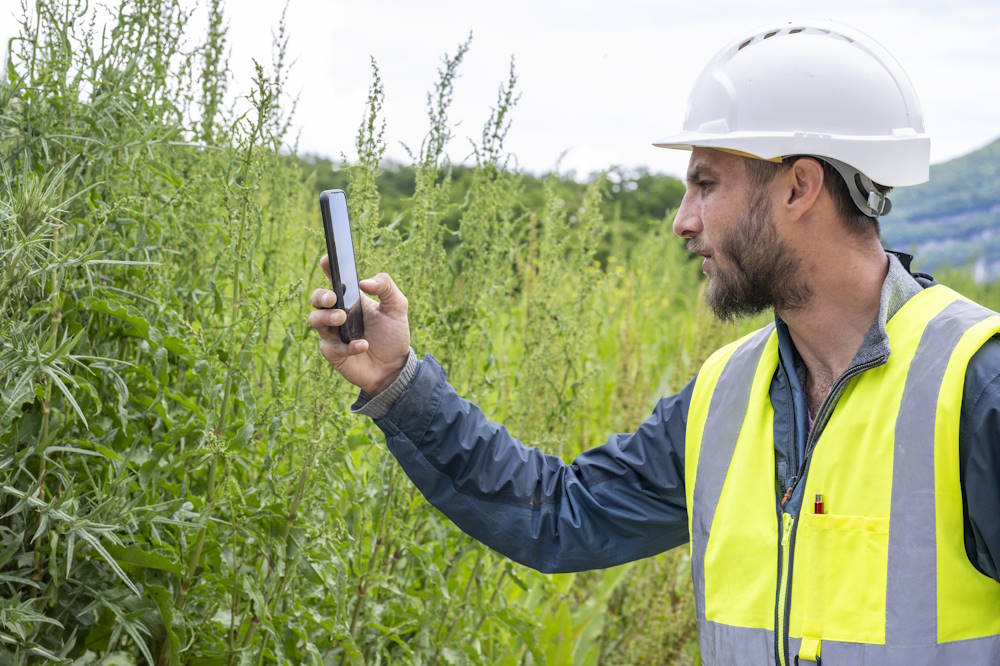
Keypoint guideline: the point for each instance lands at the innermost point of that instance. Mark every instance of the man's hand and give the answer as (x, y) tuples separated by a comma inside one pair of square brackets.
[(372, 362)]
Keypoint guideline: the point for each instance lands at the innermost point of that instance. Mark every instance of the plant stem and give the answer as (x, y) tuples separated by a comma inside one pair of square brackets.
[(363, 583), (235, 603), (43, 436), (461, 607), (493, 598), (304, 474), (200, 544)]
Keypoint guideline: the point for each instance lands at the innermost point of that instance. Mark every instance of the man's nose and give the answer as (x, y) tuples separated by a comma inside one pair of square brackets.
[(687, 221)]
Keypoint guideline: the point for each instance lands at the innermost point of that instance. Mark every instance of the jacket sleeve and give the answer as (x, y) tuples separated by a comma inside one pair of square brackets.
[(618, 502), (979, 459)]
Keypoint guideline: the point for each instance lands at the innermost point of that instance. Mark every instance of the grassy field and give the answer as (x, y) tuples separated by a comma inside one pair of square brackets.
[(182, 481)]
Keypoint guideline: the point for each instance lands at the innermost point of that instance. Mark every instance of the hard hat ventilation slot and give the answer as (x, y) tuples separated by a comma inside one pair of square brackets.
[(744, 44), (795, 30), (770, 34)]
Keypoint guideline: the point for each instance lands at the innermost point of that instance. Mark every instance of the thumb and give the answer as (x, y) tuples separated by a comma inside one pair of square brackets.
[(391, 299)]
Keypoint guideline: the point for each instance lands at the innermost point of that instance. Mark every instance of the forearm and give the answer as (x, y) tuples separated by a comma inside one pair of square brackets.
[(615, 503)]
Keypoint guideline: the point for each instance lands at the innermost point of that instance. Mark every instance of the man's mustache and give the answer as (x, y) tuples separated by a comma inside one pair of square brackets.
[(696, 246)]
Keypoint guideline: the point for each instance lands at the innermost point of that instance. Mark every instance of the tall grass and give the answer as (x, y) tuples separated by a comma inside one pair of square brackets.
[(180, 478)]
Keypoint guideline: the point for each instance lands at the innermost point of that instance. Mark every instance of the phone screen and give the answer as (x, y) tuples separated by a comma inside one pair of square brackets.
[(345, 249)]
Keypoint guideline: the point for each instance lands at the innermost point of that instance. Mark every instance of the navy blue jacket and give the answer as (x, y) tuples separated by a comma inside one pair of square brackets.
[(625, 499)]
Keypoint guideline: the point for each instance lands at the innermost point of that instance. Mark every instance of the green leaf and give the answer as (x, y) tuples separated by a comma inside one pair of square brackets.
[(557, 632), (20, 580), (245, 433), (39, 651), (165, 604), (102, 551), (110, 454), (177, 346), (514, 577), (252, 590), (53, 374), (137, 557), (139, 325), (72, 449), (346, 642)]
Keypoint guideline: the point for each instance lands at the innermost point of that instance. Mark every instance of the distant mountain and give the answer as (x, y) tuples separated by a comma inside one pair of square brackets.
[(954, 219)]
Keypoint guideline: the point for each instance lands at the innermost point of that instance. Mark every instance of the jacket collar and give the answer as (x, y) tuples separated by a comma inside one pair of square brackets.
[(899, 287)]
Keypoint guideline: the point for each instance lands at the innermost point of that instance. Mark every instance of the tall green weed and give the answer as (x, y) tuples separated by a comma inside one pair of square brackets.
[(180, 478)]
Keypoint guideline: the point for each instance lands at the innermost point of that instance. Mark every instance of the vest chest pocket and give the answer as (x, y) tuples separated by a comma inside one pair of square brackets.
[(840, 570)]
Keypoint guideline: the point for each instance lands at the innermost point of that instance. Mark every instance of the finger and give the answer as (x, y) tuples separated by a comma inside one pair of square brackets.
[(324, 319), (324, 263), (391, 299), (327, 333), (368, 305), (336, 352), (323, 298)]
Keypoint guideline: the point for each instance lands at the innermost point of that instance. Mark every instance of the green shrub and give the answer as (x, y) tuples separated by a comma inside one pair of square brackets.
[(180, 477)]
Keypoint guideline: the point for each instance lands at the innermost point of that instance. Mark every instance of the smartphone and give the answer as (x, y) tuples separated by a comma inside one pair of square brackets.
[(343, 269)]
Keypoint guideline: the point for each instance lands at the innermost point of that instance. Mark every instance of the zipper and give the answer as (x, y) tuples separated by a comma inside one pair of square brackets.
[(795, 427), (783, 575), (790, 525), (822, 416)]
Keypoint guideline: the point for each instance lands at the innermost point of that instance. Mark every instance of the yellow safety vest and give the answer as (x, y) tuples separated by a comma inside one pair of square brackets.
[(881, 575)]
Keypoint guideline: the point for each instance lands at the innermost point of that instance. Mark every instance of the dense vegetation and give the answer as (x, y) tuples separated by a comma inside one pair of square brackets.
[(182, 481), (180, 478), (633, 203)]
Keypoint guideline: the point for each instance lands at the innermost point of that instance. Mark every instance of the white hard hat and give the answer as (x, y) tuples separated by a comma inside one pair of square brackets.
[(813, 87)]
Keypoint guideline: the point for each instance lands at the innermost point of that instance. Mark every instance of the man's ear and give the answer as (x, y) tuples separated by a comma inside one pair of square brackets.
[(803, 183)]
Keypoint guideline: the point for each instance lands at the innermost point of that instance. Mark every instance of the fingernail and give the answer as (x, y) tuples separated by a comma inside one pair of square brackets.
[(328, 300)]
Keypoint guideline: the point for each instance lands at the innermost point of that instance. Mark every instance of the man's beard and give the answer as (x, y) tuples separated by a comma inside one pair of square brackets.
[(761, 271)]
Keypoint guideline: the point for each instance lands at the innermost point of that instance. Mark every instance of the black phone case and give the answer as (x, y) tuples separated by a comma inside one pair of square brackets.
[(354, 327)]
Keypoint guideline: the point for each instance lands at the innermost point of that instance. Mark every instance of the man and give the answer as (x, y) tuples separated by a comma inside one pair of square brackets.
[(837, 471)]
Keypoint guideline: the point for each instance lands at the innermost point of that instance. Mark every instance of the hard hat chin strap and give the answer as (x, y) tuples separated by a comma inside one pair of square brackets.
[(866, 196)]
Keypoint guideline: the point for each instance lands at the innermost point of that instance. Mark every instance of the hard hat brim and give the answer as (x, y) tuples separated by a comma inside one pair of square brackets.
[(900, 161)]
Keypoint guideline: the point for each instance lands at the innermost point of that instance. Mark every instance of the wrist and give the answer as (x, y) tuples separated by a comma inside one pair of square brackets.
[(378, 406), (386, 381)]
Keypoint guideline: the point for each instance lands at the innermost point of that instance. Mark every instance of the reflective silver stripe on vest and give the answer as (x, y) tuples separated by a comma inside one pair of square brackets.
[(723, 644), (726, 412), (911, 593), (971, 652)]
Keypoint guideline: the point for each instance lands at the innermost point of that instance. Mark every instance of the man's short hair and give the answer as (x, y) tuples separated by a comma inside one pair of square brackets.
[(762, 172)]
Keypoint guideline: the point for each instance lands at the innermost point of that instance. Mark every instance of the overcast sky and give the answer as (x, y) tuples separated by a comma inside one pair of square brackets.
[(600, 80)]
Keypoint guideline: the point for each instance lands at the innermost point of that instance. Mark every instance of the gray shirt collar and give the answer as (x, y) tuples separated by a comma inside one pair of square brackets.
[(899, 286)]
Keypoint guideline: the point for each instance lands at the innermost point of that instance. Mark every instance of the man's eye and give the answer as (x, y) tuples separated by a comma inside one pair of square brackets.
[(703, 184)]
